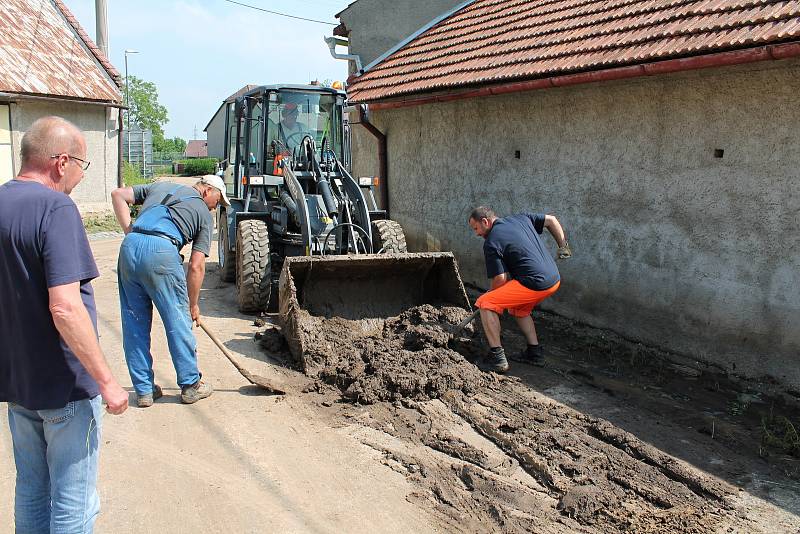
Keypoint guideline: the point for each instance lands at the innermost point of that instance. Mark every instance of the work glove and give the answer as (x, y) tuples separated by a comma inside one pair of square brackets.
[(564, 252)]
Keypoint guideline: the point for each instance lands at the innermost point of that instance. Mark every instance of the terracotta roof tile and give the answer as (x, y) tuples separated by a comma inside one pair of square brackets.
[(104, 61), (492, 41), (44, 51)]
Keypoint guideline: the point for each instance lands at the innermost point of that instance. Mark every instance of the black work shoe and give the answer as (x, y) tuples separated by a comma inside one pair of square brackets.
[(497, 360), (534, 355)]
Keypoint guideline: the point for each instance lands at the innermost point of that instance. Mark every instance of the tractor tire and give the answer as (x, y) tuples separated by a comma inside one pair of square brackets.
[(388, 237), (253, 270), (226, 257)]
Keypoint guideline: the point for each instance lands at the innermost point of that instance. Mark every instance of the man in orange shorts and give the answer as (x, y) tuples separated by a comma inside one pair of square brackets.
[(522, 274)]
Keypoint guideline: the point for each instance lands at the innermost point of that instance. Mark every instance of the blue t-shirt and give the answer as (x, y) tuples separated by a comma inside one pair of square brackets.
[(513, 246), (42, 244)]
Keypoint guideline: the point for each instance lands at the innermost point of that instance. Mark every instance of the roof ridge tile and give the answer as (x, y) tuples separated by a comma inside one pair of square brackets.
[(496, 40)]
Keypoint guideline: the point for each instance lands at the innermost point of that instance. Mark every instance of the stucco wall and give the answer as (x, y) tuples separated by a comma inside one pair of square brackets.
[(215, 135), (100, 128), (397, 19), (673, 247)]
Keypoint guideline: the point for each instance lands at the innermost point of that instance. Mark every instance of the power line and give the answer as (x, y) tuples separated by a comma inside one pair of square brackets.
[(280, 14)]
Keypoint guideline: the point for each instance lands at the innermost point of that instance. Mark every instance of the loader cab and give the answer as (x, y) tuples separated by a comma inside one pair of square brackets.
[(272, 121), (291, 193)]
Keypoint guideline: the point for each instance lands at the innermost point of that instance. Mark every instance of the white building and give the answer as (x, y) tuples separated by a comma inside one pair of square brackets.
[(50, 66)]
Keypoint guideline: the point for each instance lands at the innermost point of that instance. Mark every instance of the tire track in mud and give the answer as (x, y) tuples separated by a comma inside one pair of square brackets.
[(536, 466)]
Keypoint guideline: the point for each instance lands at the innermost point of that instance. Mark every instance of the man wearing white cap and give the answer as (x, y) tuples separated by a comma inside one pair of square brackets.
[(150, 271)]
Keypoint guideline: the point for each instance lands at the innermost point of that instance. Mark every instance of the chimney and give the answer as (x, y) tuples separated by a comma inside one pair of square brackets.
[(101, 16)]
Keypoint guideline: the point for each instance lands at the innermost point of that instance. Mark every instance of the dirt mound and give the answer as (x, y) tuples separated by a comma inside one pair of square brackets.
[(578, 473), (389, 359)]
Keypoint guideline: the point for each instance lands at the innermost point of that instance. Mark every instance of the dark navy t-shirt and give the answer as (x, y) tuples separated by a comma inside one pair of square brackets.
[(42, 244), (513, 246)]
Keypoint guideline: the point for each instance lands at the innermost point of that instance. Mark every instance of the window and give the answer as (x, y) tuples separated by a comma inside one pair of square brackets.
[(6, 159)]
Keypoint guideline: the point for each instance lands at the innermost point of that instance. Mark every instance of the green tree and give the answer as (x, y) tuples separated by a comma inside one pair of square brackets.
[(176, 144), (145, 108)]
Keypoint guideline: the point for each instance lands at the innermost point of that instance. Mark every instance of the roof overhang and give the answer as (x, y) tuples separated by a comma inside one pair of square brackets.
[(13, 97), (720, 59)]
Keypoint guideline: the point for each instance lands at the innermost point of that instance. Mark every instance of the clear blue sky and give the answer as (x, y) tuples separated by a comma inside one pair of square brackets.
[(198, 52)]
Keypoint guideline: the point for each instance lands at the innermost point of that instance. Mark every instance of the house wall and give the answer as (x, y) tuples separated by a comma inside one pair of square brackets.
[(672, 246), (397, 20), (100, 128), (215, 134)]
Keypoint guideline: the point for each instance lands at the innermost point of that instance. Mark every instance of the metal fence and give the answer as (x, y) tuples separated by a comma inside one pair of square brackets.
[(137, 148)]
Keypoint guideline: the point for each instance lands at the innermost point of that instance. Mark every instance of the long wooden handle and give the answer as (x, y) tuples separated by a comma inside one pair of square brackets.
[(463, 324), (221, 347)]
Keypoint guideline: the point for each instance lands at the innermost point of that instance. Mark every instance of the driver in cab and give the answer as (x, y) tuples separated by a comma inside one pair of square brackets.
[(291, 132)]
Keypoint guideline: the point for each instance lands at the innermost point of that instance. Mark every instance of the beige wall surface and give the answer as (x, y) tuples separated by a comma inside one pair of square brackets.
[(6, 158), (100, 127), (673, 246), (215, 135)]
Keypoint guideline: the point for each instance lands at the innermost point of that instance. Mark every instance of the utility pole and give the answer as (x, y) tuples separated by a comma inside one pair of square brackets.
[(101, 24), (128, 102)]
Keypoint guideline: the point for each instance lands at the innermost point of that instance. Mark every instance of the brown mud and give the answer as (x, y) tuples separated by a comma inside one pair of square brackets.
[(390, 359), (492, 453)]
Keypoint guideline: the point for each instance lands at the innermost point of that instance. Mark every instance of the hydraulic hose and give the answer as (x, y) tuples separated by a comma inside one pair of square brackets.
[(291, 206), (324, 187)]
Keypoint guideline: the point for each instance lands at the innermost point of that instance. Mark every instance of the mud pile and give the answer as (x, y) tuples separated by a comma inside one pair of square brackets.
[(530, 465), (389, 359)]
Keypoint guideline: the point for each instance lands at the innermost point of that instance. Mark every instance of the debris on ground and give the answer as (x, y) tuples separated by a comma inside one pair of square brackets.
[(387, 360), (488, 452)]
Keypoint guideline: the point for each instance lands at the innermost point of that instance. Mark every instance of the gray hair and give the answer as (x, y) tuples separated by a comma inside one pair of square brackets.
[(47, 137), (482, 212)]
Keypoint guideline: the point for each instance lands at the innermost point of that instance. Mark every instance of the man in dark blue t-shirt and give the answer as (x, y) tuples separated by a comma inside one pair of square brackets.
[(522, 274), (53, 374)]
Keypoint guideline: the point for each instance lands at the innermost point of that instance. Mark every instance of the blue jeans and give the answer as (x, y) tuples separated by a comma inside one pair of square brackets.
[(150, 271), (56, 453)]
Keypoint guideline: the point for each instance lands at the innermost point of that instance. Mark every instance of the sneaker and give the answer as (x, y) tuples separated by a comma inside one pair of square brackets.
[(497, 360), (147, 400), (195, 392)]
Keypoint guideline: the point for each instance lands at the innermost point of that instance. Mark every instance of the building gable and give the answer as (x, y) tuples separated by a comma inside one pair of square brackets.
[(44, 51)]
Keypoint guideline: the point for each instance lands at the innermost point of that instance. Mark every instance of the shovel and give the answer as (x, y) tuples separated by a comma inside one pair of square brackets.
[(256, 380), (463, 324)]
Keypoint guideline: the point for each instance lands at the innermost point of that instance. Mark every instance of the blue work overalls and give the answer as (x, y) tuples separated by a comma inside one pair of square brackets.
[(150, 271)]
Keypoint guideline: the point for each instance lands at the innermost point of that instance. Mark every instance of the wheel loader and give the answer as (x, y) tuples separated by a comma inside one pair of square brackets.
[(286, 170)]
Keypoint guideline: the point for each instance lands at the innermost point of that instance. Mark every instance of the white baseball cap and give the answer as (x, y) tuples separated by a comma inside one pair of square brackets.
[(217, 183)]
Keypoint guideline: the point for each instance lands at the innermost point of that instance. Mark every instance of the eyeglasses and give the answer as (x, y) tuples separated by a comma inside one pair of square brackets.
[(84, 165)]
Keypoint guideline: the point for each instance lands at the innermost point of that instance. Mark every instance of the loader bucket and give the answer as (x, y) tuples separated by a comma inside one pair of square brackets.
[(365, 288)]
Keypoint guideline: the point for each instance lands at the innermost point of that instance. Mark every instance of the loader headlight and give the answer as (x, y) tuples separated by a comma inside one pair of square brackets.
[(365, 181)]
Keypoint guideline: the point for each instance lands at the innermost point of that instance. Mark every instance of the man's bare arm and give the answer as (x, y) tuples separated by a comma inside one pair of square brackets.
[(194, 280), (121, 200), (75, 326), (555, 229)]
